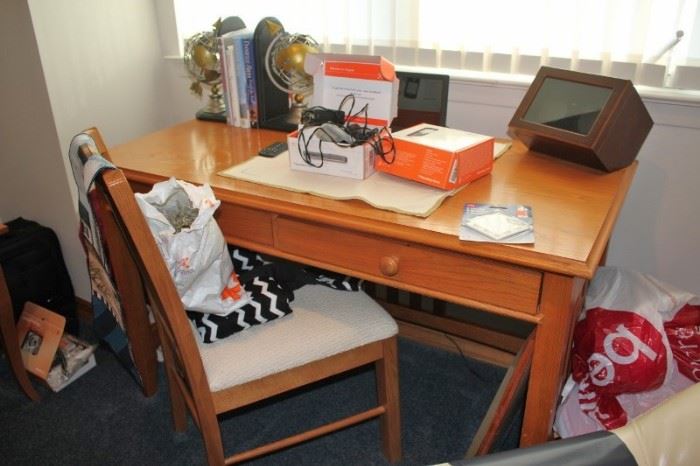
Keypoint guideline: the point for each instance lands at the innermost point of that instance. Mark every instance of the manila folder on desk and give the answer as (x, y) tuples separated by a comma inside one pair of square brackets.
[(380, 190)]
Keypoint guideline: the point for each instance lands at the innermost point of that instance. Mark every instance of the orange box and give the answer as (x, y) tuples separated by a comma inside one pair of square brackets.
[(442, 157)]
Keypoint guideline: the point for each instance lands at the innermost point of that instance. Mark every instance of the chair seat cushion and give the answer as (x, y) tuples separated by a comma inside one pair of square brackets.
[(324, 322)]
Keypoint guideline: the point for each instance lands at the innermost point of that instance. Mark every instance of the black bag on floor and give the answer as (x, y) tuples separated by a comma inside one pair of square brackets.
[(31, 258)]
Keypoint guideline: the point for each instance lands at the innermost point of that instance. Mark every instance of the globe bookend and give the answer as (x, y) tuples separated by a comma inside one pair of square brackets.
[(201, 59), (284, 65)]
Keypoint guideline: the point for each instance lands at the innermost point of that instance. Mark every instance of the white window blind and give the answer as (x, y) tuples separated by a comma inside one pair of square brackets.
[(630, 39)]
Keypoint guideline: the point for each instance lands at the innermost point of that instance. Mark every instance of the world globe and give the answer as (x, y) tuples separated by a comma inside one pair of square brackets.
[(201, 57), (284, 64)]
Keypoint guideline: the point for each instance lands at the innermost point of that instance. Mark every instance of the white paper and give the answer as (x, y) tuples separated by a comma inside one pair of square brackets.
[(497, 225)]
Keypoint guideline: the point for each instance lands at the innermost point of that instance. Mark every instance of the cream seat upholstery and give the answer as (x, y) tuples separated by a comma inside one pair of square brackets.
[(327, 320)]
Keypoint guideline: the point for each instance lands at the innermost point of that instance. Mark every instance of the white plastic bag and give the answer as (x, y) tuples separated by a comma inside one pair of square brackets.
[(181, 218)]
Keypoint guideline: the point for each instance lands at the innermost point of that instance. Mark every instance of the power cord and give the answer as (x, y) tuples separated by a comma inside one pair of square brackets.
[(475, 374), (331, 126)]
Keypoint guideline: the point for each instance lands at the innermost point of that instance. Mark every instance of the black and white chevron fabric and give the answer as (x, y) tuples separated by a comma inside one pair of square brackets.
[(270, 285)]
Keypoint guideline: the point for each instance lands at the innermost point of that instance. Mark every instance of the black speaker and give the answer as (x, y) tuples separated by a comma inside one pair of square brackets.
[(273, 103)]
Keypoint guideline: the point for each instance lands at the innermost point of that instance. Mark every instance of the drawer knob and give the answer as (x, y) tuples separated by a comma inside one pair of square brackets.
[(389, 265)]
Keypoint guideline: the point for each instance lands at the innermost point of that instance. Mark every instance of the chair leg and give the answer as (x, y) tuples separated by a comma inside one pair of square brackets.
[(213, 444), (207, 423), (8, 335), (18, 369), (387, 371), (178, 406)]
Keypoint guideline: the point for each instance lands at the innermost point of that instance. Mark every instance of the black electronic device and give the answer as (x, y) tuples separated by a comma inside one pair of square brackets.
[(316, 116), (422, 99), (274, 149), (273, 103)]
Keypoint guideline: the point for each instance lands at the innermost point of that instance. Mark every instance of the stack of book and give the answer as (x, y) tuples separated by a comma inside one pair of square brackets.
[(236, 49)]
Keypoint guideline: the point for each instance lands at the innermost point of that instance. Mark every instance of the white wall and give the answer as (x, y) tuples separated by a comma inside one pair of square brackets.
[(100, 63), (32, 174), (659, 228)]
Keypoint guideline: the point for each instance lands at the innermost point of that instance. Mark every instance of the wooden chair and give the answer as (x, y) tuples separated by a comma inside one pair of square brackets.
[(329, 332)]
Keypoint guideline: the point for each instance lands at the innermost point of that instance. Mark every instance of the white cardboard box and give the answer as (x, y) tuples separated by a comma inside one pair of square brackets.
[(349, 162), (370, 79)]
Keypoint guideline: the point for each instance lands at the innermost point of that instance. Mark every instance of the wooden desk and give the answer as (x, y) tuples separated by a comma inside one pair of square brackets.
[(574, 209)]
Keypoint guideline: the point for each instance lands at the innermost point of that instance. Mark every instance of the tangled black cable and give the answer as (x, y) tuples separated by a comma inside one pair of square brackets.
[(380, 139), (303, 145)]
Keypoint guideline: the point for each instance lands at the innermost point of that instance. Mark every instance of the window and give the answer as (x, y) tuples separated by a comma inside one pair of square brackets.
[(652, 42)]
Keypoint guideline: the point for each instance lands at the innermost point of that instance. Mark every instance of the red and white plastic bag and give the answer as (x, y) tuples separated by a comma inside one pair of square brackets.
[(181, 218), (683, 332), (633, 336)]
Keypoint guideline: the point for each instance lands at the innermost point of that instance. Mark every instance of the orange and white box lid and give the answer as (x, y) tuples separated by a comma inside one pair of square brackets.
[(371, 80)]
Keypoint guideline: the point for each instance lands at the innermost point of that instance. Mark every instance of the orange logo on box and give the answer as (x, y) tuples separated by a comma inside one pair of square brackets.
[(354, 70)]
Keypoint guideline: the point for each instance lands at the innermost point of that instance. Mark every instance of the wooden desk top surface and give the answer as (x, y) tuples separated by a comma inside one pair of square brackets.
[(574, 207)]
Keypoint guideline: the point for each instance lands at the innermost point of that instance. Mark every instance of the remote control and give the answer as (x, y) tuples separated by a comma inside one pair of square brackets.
[(273, 150)]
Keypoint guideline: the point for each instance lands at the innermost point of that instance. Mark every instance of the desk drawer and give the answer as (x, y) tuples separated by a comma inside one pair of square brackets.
[(244, 224), (421, 267)]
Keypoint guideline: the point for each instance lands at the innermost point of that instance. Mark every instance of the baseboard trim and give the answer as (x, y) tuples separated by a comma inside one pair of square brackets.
[(83, 310)]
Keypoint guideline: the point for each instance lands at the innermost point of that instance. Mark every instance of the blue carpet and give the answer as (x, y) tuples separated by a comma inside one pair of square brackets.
[(102, 418)]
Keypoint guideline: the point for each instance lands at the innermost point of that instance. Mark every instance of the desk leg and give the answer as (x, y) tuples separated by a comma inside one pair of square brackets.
[(562, 300)]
